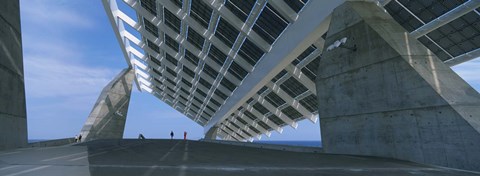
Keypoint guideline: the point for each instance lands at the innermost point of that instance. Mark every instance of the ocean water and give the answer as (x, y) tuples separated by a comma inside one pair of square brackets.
[(293, 143)]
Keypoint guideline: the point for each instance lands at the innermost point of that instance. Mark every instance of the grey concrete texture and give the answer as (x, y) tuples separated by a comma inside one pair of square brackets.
[(13, 124), (52, 143), (290, 148), (183, 158), (392, 97), (212, 133), (108, 116)]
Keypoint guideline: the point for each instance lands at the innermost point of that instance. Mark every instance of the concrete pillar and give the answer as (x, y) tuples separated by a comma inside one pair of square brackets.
[(212, 133), (13, 115), (382, 93), (108, 116)]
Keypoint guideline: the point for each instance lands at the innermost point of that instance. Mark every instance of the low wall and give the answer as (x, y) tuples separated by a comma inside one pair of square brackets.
[(270, 146), (52, 143)]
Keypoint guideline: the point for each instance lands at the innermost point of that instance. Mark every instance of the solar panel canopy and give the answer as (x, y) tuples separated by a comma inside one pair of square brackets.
[(246, 67)]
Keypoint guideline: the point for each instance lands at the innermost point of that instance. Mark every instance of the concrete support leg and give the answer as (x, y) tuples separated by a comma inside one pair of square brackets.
[(107, 119), (211, 134), (382, 93), (13, 115)]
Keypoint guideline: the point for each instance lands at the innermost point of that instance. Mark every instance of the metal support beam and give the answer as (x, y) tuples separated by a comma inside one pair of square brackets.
[(111, 8), (241, 127), (219, 7), (297, 74), (252, 123), (463, 58), (262, 117), (284, 10), (292, 102), (276, 111)]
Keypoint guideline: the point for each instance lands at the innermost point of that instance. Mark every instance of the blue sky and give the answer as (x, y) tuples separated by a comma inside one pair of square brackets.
[(71, 53)]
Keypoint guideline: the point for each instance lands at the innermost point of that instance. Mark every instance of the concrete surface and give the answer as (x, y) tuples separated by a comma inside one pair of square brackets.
[(178, 157), (212, 133), (290, 148), (13, 115), (108, 116), (52, 143), (392, 97)]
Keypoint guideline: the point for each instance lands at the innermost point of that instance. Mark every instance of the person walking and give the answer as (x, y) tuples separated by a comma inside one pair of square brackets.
[(184, 135), (80, 138), (171, 135)]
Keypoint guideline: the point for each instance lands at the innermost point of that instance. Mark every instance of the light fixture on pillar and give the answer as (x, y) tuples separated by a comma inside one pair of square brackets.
[(341, 44)]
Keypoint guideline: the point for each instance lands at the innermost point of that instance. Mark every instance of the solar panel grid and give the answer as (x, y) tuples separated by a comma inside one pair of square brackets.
[(169, 41), (226, 32), (250, 52), (457, 37), (150, 6), (276, 120), (178, 3), (241, 8), (447, 41), (238, 71), (292, 113), (195, 38), (201, 12), (264, 125), (171, 20), (217, 55), (260, 108), (296, 5), (241, 120), (310, 70), (228, 84), (269, 24), (150, 27), (293, 87), (310, 103)]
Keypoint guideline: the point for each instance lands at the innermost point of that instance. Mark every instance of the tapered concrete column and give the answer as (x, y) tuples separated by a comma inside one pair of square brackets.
[(212, 133), (382, 93), (107, 119), (13, 115)]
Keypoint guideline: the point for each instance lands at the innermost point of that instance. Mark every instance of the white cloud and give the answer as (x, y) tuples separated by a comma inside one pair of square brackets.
[(54, 14), (65, 68), (47, 77), (54, 61)]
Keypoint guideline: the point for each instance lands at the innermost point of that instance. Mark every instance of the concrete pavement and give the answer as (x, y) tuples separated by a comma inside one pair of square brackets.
[(178, 157)]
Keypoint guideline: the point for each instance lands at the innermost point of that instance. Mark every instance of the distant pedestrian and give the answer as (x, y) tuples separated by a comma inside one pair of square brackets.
[(184, 135), (80, 138), (171, 134), (76, 138)]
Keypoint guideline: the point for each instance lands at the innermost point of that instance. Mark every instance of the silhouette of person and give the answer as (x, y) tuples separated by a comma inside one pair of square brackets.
[(80, 138), (171, 134), (184, 135)]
